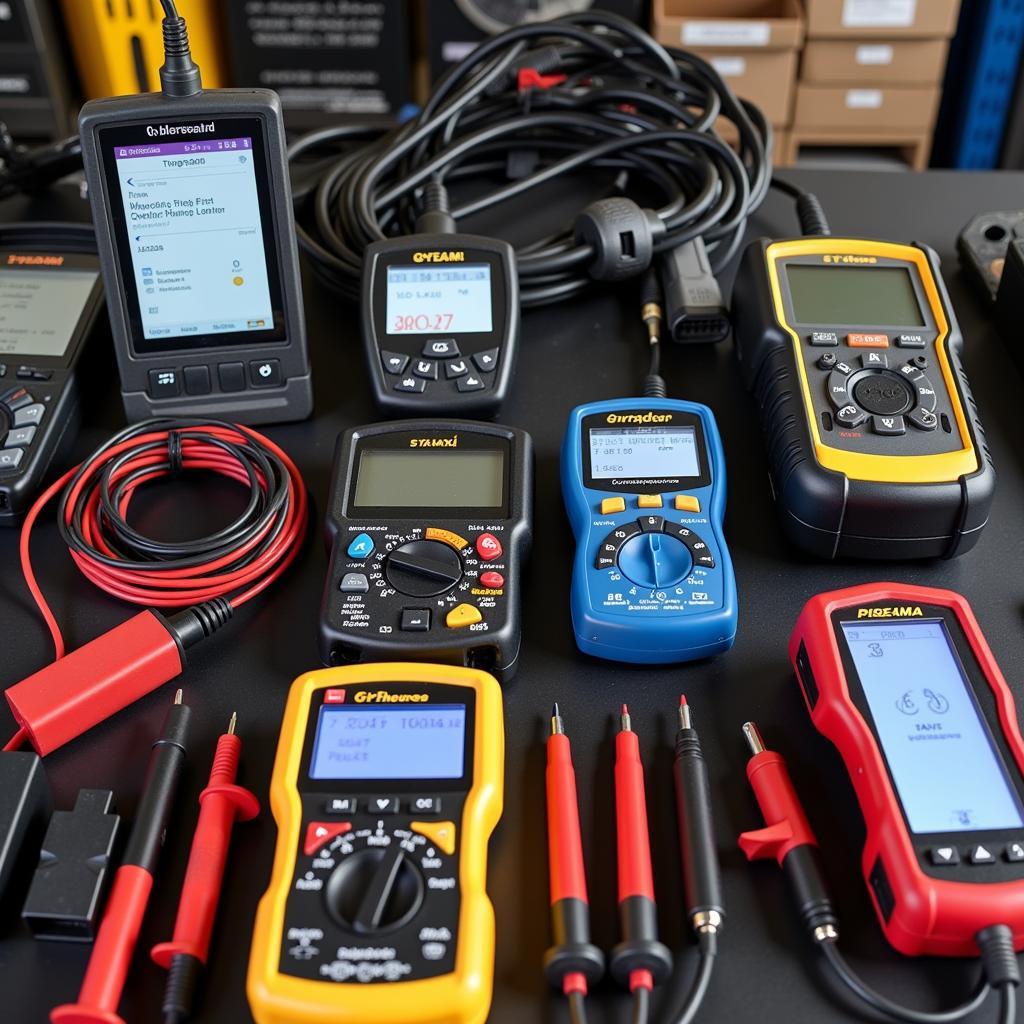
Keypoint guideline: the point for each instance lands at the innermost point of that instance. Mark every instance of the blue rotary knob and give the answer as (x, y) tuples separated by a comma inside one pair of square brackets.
[(655, 561)]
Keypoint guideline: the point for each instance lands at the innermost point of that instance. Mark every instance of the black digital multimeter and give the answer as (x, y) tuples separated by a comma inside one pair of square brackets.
[(440, 323), (51, 293), (853, 353), (192, 205), (428, 525)]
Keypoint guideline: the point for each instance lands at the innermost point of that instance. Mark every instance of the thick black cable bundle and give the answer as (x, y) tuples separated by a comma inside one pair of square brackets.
[(629, 109)]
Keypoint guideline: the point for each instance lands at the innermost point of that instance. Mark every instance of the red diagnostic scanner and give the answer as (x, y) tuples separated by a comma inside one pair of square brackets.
[(901, 680)]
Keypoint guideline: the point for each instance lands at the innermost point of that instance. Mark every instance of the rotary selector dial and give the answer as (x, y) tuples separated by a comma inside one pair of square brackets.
[(375, 890), (423, 568), (655, 561)]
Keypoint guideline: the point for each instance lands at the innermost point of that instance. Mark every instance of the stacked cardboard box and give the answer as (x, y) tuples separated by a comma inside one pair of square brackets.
[(753, 44), (871, 75)]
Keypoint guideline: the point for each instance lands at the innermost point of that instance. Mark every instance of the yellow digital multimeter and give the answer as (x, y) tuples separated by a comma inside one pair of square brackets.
[(386, 787), (853, 354)]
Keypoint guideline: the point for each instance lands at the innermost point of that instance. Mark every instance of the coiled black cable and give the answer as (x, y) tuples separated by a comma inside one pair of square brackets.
[(628, 109)]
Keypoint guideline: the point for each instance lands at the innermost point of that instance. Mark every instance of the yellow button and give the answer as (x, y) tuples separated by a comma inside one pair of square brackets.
[(649, 501), (440, 833), (453, 540), (687, 503), (463, 615), (610, 505)]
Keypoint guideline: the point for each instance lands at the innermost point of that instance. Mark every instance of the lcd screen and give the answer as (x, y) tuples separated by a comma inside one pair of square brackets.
[(430, 478), (642, 453), (446, 299), (406, 742), (944, 763), (192, 212), (39, 309), (853, 296)]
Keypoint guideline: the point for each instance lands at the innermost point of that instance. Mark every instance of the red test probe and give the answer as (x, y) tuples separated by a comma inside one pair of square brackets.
[(119, 930), (573, 962), (639, 961), (221, 804)]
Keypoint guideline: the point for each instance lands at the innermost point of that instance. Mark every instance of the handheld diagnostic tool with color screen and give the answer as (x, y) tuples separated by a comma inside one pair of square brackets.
[(853, 354), (50, 295), (428, 524), (902, 681), (192, 204), (440, 323), (387, 784), (644, 487)]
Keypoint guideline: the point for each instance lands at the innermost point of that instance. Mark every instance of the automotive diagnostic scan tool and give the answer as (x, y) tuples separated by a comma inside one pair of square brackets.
[(428, 524), (50, 295), (644, 486), (853, 354), (901, 680), (387, 784), (192, 205)]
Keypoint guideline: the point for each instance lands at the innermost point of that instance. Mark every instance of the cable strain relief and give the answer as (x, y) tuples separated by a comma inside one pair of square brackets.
[(436, 218), (998, 957), (812, 215), (200, 621), (655, 386), (688, 743), (179, 73), (180, 991)]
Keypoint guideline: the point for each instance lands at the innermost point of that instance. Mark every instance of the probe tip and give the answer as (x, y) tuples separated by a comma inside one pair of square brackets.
[(624, 720), (625, 709), (685, 718), (555, 710), (754, 739), (682, 700), (178, 696), (557, 728), (233, 723)]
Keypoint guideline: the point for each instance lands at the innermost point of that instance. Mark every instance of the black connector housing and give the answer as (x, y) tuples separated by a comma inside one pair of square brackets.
[(75, 868), (694, 308), (25, 805)]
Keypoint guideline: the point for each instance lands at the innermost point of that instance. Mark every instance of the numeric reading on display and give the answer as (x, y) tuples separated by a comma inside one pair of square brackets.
[(643, 453), (430, 299), (408, 742)]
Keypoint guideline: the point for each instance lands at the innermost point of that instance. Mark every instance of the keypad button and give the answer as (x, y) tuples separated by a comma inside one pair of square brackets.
[(197, 380), (3, 370), (415, 620), (164, 384), (488, 547), (30, 415), (361, 547), (492, 580), (944, 856), (651, 524), (231, 376), (911, 340), (649, 501), (883, 394), (17, 398), (823, 338), (455, 368), (858, 340), (486, 361), (888, 426), (981, 854), (20, 438), (33, 373), (850, 416), (441, 348), (425, 805), (413, 385), (926, 398), (463, 615), (470, 383), (265, 373), (342, 805), (922, 419), (320, 833), (687, 503), (394, 362), (10, 458), (440, 833), (844, 368), (826, 360), (911, 372), (354, 583), (838, 392), (382, 805), (609, 506), (874, 360), (425, 368), (1014, 852)]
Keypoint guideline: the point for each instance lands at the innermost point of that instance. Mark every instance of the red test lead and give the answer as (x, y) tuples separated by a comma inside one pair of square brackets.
[(573, 962), (640, 961), (221, 804)]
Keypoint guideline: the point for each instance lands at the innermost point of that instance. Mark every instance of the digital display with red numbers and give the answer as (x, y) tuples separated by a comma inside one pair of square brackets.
[(430, 299)]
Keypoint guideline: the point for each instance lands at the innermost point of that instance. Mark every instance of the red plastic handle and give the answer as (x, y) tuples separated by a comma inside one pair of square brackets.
[(786, 825), (634, 847), (565, 846)]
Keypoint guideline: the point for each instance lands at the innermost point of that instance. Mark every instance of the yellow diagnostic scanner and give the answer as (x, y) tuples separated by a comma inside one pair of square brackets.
[(853, 354), (386, 788)]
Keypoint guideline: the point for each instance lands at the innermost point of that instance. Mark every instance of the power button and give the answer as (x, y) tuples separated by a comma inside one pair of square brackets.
[(488, 547)]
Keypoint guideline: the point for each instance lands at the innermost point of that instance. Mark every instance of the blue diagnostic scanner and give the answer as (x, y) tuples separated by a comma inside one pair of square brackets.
[(644, 486)]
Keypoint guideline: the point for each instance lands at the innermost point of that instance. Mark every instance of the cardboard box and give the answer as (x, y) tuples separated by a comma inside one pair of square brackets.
[(892, 19), (729, 24), (767, 79), (874, 62), (912, 147), (836, 108)]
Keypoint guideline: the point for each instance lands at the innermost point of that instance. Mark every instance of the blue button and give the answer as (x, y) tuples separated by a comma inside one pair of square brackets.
[(361, 547)]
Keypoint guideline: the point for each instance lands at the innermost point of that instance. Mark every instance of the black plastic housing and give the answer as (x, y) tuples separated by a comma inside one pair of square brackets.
[(25, 805)]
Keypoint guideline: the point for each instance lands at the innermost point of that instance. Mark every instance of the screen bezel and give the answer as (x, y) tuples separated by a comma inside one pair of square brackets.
[(399, 441), (440, 693), (646, 485), (985, 700), (86, 315), (252, 126)]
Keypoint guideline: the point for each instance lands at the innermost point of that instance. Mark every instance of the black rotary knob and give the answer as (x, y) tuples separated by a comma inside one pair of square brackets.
[(423, 568), (375, 890)]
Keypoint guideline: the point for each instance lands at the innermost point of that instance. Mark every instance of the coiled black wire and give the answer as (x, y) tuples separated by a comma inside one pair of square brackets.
[(629, 109)]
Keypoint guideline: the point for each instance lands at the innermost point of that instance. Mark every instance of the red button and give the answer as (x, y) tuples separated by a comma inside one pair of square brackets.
[(320, 833), (492, 580), (488, 547), (334, 696)]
